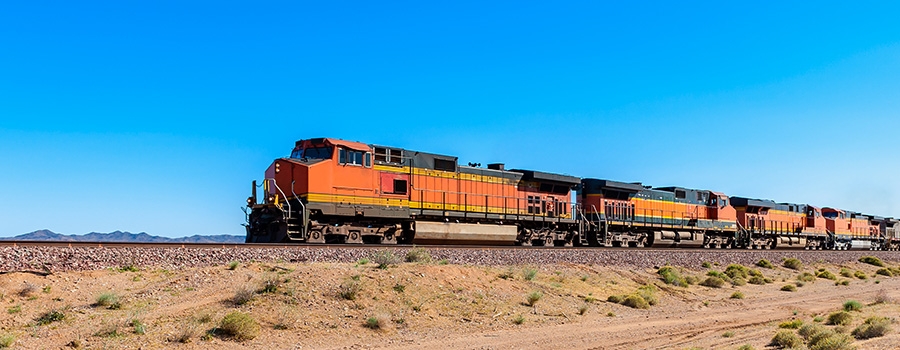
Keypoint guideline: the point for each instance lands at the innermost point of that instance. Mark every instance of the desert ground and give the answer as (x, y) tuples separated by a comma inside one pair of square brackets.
[(429, 304)]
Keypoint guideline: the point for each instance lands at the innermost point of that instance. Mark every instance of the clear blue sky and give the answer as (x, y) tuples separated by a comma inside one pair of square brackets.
[(155, 116)]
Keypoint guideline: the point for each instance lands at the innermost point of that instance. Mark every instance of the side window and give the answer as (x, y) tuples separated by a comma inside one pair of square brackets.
[(368, 159), (342, 156), (680, 194), (399, 186)]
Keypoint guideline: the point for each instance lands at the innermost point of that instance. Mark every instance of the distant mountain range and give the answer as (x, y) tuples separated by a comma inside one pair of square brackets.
[(119, 236)]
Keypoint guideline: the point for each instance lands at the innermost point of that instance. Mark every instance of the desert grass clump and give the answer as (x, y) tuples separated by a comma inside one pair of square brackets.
[(765, 264), (615, 299), (14, 309), (374, 322), (793, 263), (737, 295), (806, 277), (859, 274), (7, 340), (350, 288), (746, 347), (108, 300), (529, 274), (671, 276), (885, 272), (823, 273), (738, 281), (789, 288), (787, 339), (384, 258), (874, 327), (139, 327), (532, 298), (243, 295), (418, 255), (519, 319), (233, 265), (793, 324), (706, 264), (50, 317), (713, 282), (852, 305), (728, 334), (871, 260), (840, 318), (845, 272), (239, 326)]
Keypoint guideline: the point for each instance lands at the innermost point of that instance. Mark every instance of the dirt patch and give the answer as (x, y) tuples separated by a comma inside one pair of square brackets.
[(412, 305)]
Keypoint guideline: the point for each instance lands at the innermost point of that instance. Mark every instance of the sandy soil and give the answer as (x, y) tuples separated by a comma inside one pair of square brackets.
[(421, 305)]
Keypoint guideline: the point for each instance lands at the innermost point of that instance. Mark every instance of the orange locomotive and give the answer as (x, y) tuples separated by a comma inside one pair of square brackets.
[(335, 191), (630, 214)]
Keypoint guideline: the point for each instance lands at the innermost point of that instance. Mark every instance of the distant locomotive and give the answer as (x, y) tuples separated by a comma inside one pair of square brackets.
[(336, 191)]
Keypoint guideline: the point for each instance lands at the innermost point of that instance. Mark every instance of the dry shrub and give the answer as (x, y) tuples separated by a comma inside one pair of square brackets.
[(765, 263), (636, 301), (786, 339), (806, 277), (672, 276), (789, 288), (384, 258), (244, 295), (883, 298), (350, 288), (871, 260), (418, 255), (793, 263), (829, 340), (793, 324), (28, 290), (841, 318), (736, 270), (239, 326), (713, 282), (825, 274), (185, 333), (875, 326), (809, 330)]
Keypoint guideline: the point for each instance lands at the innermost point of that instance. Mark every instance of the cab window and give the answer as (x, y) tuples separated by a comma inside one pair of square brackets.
[(350, 157)]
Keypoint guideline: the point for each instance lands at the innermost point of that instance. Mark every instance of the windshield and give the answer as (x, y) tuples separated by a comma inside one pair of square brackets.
[(830, 215), (313, 153)]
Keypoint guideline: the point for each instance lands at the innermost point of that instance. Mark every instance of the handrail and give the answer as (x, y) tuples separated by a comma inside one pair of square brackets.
[(302, 206), (282, 195)]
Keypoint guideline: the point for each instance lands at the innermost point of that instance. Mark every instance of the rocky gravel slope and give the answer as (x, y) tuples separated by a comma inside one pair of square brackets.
[(52, 259)]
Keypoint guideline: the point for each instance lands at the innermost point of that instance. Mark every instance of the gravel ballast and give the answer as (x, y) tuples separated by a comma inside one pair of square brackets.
[(53, 259)]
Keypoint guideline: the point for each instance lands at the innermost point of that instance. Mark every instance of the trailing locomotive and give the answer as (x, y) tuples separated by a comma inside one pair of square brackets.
[(336, 191)]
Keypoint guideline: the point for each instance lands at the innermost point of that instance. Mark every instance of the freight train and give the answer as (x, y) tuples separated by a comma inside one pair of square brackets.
[(336, 191)]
